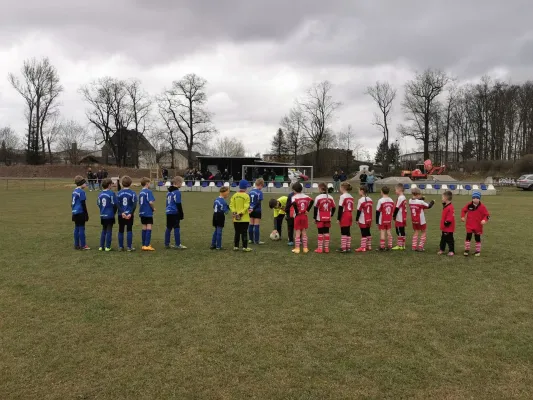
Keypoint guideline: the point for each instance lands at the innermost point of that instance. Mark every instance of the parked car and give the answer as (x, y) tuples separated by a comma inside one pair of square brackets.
[(525, 182)]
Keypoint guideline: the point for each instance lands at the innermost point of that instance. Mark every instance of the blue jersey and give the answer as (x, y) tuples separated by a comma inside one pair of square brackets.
[(127, 201), (78, 195), (173, 199), (256, 197), (107, 201), (145, 197), (220, 206)]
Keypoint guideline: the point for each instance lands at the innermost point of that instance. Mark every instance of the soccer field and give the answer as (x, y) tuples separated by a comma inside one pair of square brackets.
[(199, 324)]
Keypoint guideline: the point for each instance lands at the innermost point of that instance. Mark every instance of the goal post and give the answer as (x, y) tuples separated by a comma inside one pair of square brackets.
[(260, 170)]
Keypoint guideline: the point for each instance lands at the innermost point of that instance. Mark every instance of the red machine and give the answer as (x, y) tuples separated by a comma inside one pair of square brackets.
[(423, 170)]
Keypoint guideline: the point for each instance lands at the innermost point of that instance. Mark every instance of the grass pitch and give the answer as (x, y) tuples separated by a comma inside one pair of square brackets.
[(199, 324)]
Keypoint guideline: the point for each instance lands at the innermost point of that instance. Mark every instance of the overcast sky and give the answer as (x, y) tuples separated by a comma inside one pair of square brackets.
[(258, 56)]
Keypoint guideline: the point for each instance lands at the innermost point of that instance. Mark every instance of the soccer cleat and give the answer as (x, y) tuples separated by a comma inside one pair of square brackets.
[(369, 248), (77, 247), (100, 249), (451, 254), (180, 247), (342, 251), (466, 253), (290, 244), (296, 251), (143, 248), (440, 253), (361, 250), (326, 251), (421, 250), (150, 248), (477, 254), (212, 247), (235, 249), (247, 249), (398, 248), (219, 248), (306, 250), (108, 249), (319, 251), (130, 249), (85, 248), (121, 249), (259, 243)]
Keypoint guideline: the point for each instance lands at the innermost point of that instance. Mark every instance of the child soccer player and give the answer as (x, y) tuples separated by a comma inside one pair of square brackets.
[(107, 203), (289, 216), (240, 207), (345, 217), (174, 211), (256, 197), (220, 210), (302, 204), (417, 205), (447, 224), (127, 203), (384, 215), (79, 213), (279, 206), (400, 217), (364, 219), (476, 215), (324, 211), (146, 212)]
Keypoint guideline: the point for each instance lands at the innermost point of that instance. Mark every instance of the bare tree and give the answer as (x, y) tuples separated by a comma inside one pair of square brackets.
[(51, 134), (9, 142), (318, 109), (228, 147), (383, 95), (420, 94), (185, 105), (346, 139), (294, 137), (169, 131), (40, 88), (72, 136)]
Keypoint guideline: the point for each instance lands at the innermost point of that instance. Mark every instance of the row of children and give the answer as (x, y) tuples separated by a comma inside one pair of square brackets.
[(124, 203), (295, 208)]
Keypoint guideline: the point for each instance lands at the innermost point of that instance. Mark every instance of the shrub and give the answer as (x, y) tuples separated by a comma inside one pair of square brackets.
[(524, 165)]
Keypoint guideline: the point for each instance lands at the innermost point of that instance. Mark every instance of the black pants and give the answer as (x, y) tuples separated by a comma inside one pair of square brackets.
[(324, 231), (290, 229), (400, 231), (278, 225), (345, 231), (447, 239), (365, 232), (241, 232), (476, 237)]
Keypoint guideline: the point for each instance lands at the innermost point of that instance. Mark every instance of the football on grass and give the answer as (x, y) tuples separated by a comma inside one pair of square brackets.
[(274, 236)]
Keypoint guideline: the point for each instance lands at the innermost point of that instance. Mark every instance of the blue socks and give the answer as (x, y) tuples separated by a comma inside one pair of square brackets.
[(217, 238), (102, 238), (76, 236), (148, 237), (256, 233), (121, 240), (130, 239), (167, 237), (108, 238), (177, 236), (143, 237), (81, 233), (251, 233)]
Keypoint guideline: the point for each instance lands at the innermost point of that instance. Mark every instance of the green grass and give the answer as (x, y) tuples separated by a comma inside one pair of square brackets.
[(266, 325)]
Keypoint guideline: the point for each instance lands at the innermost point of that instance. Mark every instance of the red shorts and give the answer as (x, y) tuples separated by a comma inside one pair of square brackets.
[(418, 227), (399, 224), (323, 224), (301, 222), (364, 226), (475, 231), (385, 227)]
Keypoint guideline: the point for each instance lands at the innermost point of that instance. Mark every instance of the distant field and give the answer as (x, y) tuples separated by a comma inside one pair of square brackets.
[(267, 325)]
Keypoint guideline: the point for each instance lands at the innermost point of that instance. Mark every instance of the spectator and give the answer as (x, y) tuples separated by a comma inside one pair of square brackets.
[(104, 174), (164, 173), (91, 178), (363, 177), (370, 182), (218, 176), (336, 182), (343, 176), (99, 178), (225, 175)]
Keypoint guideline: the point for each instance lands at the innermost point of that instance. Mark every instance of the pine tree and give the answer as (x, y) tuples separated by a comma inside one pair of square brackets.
[(279, 144)]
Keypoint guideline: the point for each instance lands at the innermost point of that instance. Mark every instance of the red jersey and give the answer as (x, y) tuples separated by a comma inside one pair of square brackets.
[(447, 220), (385, 208), (401, 214), (346, 206), (417, 211), (364, 210), (302, 203), (474, 215), (324, 208)]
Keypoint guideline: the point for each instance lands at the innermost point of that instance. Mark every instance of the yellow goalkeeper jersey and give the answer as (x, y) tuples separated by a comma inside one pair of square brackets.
[(240, 204), (283, 201)]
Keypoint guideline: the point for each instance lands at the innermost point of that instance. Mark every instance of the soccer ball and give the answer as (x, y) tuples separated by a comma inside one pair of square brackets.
[(274, 236)]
